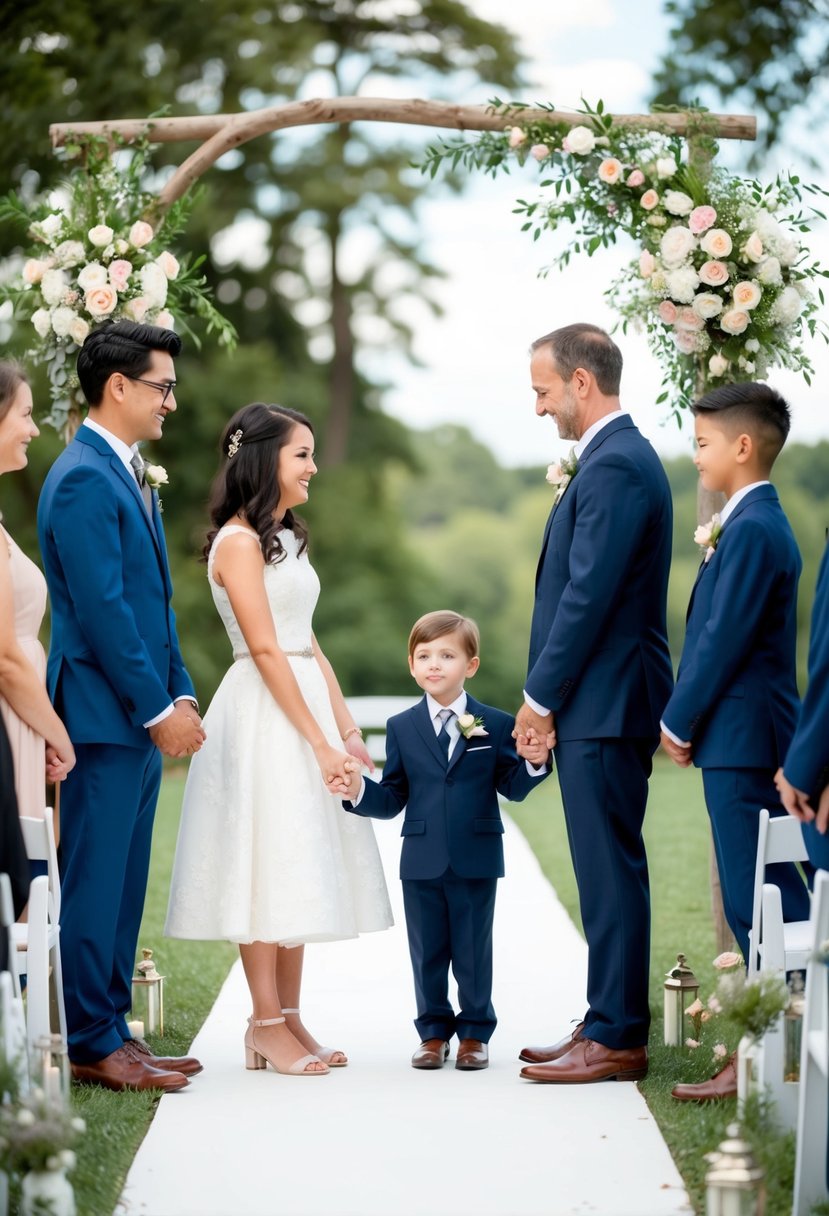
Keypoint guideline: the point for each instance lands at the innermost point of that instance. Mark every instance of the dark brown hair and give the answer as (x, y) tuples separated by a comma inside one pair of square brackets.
[(587, 346), (12, 376), (756, 409), (438, 624)]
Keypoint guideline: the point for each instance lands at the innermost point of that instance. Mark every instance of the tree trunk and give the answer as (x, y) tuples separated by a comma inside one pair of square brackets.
[(341, 371)]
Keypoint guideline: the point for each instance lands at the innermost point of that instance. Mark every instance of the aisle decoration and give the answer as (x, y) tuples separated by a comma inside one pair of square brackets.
[(37, 1133), (94, 256), (723, 283)]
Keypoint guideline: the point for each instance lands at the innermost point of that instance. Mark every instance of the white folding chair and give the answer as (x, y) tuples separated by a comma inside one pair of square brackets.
[(773, 945), (12, 1018), (41, 931), (812, 1117), (371, 715)]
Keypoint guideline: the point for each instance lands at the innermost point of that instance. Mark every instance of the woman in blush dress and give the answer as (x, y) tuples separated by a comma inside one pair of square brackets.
[(265, 857), (40, 746)]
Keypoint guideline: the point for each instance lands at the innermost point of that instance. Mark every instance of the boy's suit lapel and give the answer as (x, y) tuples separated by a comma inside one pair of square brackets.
[(472, 707), (760, 494)]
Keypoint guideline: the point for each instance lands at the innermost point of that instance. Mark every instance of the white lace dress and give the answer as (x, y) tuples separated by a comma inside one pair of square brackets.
[(264, 852)]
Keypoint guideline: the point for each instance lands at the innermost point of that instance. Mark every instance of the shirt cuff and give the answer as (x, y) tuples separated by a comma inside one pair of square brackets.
[(535, 770), (160, 717), (356, 801), (671, 735), (542, 710)]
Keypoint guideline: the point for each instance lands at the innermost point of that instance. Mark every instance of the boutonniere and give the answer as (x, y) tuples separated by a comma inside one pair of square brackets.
[(470, 726), (707, 536), (155, 476), (562, 473)]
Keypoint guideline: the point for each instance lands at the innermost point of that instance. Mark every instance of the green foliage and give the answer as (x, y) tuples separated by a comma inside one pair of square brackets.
[(752, 1006)]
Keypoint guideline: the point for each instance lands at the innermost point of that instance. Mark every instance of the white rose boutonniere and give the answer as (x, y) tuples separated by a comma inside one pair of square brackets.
[(707, 536), (155, 476), (561, 473), (470, 726)]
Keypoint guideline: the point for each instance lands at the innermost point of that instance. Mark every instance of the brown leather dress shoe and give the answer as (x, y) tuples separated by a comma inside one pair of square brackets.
[(124, 1069), (431, 1053), (472, 1054), (588, 1061), (543, 1055), (722, 1085), (188, 1066)]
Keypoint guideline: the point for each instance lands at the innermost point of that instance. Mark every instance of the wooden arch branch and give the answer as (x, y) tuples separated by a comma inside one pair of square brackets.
[(222, 132)]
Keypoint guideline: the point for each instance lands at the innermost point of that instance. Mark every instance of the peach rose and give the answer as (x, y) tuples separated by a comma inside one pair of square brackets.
[(78, 331), (516, 137), (647, 264), (100, 301), (168, 264), (701, 219), (140, 234), (735, 321), (753, 248), (689, 318), (635, 178), (713, 274), (717, 243), (747, 295), (649, 200), (727, 959), (539, 151), (34, 270), (610, 171), (164, 319), (667, 312)]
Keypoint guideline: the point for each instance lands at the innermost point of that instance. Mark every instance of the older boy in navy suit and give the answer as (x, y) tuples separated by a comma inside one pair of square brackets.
[(447, 760), (734, 707)]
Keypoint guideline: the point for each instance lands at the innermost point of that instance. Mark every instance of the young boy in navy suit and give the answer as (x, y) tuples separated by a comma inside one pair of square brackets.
[(447, 760), (734, 707)]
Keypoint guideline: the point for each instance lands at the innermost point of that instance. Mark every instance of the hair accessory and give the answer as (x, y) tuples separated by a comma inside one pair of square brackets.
[(235, 443)]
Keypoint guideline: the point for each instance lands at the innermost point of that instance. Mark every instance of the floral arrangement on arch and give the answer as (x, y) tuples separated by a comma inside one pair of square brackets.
[(94, 257), (723, 284)]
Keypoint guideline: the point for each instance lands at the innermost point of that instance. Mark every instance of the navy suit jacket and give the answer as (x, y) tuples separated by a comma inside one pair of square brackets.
[(736, 692), (808, 756), (114, 661), (452, 814), (599, 653)]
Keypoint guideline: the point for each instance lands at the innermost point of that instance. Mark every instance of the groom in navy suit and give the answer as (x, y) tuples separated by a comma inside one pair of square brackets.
[(599, 674), (117, 679)]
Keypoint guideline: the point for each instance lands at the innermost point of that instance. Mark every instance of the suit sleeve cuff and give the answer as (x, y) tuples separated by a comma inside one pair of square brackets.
[(679, 742), (160, 717), (541, 710)]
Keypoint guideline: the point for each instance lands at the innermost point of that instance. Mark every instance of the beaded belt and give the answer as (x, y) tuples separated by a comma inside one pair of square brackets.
[(307, 653)]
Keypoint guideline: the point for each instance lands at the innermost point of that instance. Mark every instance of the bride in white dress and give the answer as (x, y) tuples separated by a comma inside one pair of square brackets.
[(266, 856)]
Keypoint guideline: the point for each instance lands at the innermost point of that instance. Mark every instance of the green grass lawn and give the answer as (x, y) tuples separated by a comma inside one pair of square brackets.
[(677, 838)]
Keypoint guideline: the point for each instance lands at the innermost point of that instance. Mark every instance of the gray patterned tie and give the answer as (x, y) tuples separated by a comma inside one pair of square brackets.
[(444, 738), (146, 493)]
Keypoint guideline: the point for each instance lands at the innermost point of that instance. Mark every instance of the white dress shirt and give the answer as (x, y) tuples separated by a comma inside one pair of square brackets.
[(125, 454)]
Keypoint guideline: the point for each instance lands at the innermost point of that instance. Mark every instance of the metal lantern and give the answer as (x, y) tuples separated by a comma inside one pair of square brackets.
[(681, 989), (734, 1185), (51, 1069), (793, 1029), (147, 998)]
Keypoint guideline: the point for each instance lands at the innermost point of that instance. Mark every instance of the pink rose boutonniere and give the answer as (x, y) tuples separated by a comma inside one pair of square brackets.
[(707, 536), (471, 727), (561, 473)]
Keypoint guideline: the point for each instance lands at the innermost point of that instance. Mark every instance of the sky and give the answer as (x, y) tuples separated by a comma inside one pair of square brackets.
[(476, 366)]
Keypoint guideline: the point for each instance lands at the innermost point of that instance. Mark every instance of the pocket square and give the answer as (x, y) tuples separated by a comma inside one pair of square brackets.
[(485, 747)]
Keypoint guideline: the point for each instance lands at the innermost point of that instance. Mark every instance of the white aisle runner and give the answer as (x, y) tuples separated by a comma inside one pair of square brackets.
[(380, 1138)]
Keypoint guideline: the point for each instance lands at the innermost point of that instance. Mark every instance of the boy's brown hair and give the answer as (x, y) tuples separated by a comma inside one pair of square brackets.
[(437, 624)]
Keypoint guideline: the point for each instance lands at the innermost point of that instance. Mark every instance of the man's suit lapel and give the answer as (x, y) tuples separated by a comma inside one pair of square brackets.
[(425, 728), (121, 473), (621, 423)]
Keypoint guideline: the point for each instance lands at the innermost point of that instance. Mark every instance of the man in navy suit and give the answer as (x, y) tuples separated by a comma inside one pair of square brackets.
[(734, 707), (117, 678), (803, 781), (447, 760), (599, 675)]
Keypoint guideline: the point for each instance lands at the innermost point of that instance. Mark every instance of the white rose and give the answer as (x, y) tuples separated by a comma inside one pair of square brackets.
[(666, 167), (51, 225), (100, 235), (734, 321), (140, 234), (769, 272), (682, 284), (153, 285), (121, 246), (752, 346), (93, 275), (70, 253), (168, 264), (787, 306), (787, 251), (677, 243), (34, 270), (717, 243), (79, 331), (52, 286), (706, 304), (753, 248), (135, 309), (42, 322), (579, 140), (747, 294), (717, 366), (677, 203), (164, 319), (156, 475), (62, 319)]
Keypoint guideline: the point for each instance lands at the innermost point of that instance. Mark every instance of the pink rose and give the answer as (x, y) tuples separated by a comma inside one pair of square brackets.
[(685, 341), (101, 301), (727, 959), (720, 1051), (539, 151), (649, 200), (516, 137), (687, 318), (140, 234), (701, 219), (119, 272), (647, 264), (164, 319), (713, 274), (692, 1043), (168, 264), (735, 321), (667, 312), (610, 171), (635, 178)]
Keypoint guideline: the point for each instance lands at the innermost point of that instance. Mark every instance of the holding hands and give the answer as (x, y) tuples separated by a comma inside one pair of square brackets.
[(531, 727), (59, 762), (339, 769), (532, 749), (180, 733), (798, 805)]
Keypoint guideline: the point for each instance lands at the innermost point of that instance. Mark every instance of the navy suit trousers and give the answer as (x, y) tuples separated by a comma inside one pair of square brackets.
[(735, 797), (107, 811), (604, 787), (449, 922)]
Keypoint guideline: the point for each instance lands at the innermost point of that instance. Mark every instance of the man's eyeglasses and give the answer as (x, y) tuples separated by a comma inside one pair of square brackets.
[(165, 389)]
